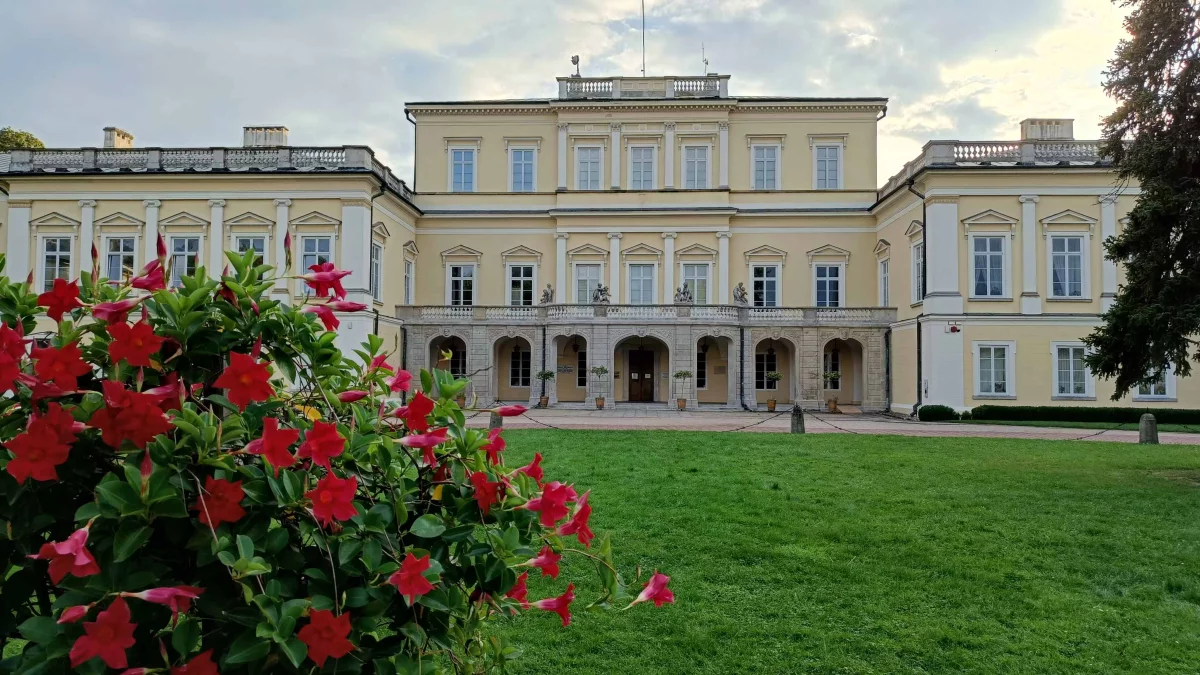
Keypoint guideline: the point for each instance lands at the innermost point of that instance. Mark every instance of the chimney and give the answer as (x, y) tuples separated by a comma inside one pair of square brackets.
[(264, 136), (1048, 129), (117, 138)]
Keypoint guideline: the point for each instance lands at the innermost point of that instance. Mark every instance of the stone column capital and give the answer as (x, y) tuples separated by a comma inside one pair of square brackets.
[(283, 202), (669, 126), (1108, 199), (723, 125), (614, 126), (615, 235), (216, 202), (87, 203), (154, 203), (1028, 198), (724, 235), (669, 235), (563, 126), (562, 235)]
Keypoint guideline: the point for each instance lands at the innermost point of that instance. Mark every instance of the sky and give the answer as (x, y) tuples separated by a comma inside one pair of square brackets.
[(185, 73)]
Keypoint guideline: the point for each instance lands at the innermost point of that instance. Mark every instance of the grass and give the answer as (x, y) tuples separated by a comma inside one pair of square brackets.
[(1127, 426), (874, 554)]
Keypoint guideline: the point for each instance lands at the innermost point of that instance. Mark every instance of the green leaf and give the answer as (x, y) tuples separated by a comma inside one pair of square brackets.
[(413, 632), (186, 636), (428, 526), (434, 599), (245, 546), (372, 554), (347, 550), (120, 495), (247, 648), (39, 629), (295, 650), (87, 511), (228, 405), (277, 539), (129, 538), (357, 597), (459, 533), (172, 507)]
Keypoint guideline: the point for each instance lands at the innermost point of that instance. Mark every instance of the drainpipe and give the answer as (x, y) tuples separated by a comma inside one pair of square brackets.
[(404, 358), (924, 287), (408, 116), (544, 358), (741, 363), (887, 370)]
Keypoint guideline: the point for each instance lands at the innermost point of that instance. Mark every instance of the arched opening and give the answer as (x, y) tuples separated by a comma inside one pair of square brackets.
[(571, 379), (773, 356), (513, 360), (456, 363), (641, 368), (842, 372), (711, 377)]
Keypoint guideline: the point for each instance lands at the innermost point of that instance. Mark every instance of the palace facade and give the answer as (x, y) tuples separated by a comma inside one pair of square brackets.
[(649, 225)]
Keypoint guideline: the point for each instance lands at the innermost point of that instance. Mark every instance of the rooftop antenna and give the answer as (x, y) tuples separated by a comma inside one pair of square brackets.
[(643, 38), (703, 60), (575, 62)]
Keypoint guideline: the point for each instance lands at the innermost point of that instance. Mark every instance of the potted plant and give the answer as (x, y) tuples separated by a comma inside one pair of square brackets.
[(682, 375), (775, 377), (545, 376), (832, 376), (599, 372)]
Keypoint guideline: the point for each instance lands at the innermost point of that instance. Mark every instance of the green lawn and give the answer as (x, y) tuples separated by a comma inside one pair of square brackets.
[(1128, 426), (872, 554)]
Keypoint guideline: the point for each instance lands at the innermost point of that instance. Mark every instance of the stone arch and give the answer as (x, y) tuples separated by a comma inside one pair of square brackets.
[(847, 354), (640, 358)]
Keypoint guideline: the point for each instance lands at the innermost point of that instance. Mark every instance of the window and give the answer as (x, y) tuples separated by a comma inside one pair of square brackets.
[(828, 286), (833, 364), (185, 258), (766, 167), (581, 369), (408, 282), (462, 170), (828, 167), (588, 165), (518, 367), (702, 367), (522, 170), (641, 168), (121, 261), (462, 285), (56, 260), (995, 369), (918, 272), (695, 277), (695, 167), (641, 284), (1162, 387), (1071, 376), (256, 244), (885, 281), (314, 251), (520, 285), (377, 271), (458, 360), (988, 267), (765, 362), (765, 279), (587, 278), (1066, 267)]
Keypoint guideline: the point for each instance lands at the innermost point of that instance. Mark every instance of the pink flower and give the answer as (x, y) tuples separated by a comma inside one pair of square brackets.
[(325, 314), (345, 306), (533, 469), (560, 605), (352, 395), (401, 381), (494, 446), (151, 277), (73, 614), (656, 590), (177, 598), (114, 312), (578, 524), (325, 279), (69, 557), (547, 562), (552, 503), (519, 592), (510, 410), (379, 363), (426, 442)]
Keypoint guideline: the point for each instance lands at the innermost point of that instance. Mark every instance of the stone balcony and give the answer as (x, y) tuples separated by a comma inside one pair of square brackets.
[(725, 315), (995, 154), (705, 86)]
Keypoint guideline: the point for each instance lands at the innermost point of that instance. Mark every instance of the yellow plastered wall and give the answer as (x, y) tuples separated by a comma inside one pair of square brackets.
[(491, 275), (798, 132), (502, 360), (904, 366), (491, 135), (567, 361), (717, 372)]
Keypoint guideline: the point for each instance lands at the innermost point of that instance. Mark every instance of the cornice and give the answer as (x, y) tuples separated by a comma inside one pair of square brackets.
[(634, 105)]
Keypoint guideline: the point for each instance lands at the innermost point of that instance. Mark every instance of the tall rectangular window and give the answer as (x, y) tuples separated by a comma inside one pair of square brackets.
[(828, 166), (587, 279), (314, 251), (522, 170), (641, 168), (408, 282), (520, 285), (256, 244), (1066, 267), (829, 285), (121, 258), (885, 283), (185, 258), (766, 167), (765, 362), (988, 267), (462, 285), (765, 282), (833, 364), (458, 360), (518, 367), (918, 272), (641, 284), (1154, 389), (993, 369), (588, 165), (695, 278), (701, 369), (581, 369), (376, 271), (695, 167), (462, 170), (1071, 374), (56, 260)]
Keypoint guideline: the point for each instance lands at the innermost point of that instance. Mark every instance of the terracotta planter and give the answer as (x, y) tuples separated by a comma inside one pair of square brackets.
[(599, 402), (544, 402), (462, 401), (681, 402), (770, 405)]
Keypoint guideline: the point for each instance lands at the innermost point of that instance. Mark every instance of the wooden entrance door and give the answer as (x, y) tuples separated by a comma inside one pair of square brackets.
[(641, 375)]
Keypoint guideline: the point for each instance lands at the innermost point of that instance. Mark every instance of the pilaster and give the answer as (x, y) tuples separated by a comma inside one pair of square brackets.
[(562, 155), (1108, 268), (614, 267), (723, 267), (281, 252), (216, 241), (150, 245), (723, 129), (668, 266), (942, 294), (1031, 302), (669, 156), (87, 239), (18, 242), (561, 284), (615, 162)]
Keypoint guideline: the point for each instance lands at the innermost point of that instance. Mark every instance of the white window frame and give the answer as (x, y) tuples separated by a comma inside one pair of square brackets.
[(708, 280), (841, 168), (303, 288), (72, 263), (175, 271), (778, 284), (508, 278), (474, 150), (1010, 369), (827, 363), (104, 252), (654, 277), (237, 239), (410, 280), (1169, 396), (1089, 382), (590, 146), (778, 165), (474, 282), (514, 375), (917, 267), (708, 162), (512, 176), (1085, 265), (841, 282), (885, 281), (376, 275), (1005, 266), (653, 166), (768, 385), (575, 279)]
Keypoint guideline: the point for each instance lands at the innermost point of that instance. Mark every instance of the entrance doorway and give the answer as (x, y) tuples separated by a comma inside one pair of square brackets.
[(641, 375)]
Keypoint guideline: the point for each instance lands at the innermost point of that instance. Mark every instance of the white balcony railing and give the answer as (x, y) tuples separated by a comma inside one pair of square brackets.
[(989, 153), (647, 314), (704, 86)]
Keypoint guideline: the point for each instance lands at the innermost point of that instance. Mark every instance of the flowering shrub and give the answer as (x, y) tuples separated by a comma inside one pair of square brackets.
[(196, 480)]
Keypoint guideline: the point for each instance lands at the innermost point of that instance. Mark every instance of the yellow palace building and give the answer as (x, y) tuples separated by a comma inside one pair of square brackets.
[(649, 225)]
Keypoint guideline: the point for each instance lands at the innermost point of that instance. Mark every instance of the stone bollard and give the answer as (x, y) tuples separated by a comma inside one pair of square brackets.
[(797, 420), (495, 421), (1148, 430)]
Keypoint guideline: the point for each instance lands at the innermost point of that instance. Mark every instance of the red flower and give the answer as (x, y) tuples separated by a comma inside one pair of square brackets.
[(274, 444), (133, 343), (379, 363), (427, 442), (656, 590), (326, 278), (107, 637), (37, 452), (416, 412), (322, 443), (74, 614), (510, 410), (534, 468), (401, 381), (578, 524), (12, 350), (326, 636), (177, 598), (325, 314), (495, 445), (129, 415), (222, 503), (560, 605), (547, 562), (552, 504), (245, 380), (61, 366), (59, 421), (170, 393), (352, 395), (151, 277), (333, 499), (410, 579), (345, 306), (519, 592), (114, 312), (60, 299), (69, 557), (486, 492), (201, 664)]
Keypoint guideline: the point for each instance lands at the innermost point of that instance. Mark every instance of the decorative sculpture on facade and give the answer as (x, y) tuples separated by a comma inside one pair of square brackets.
[(600, 295), (739, 294), (683, 295), (547, 295)]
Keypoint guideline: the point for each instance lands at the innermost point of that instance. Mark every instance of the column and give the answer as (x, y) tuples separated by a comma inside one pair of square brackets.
[(724, 150), (723, 267), (669, 156), (1108, 268), (216, 241), (942, 295), (562, 155), (18, 240), (151, 243), (1031, 302), (281, 231), (356, 247), (615, 162), (614, 267), (561, 284), (668, 267), (86, 237)]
